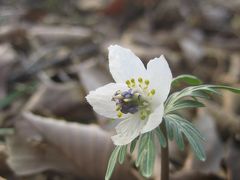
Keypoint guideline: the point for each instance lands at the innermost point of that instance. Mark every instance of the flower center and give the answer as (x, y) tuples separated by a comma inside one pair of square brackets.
[(134, 100)]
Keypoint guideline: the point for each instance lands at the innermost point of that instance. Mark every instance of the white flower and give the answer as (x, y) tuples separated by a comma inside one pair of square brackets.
[(137, 97)]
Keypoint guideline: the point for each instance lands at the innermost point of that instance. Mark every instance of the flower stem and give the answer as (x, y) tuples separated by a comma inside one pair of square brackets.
[(164, 155)]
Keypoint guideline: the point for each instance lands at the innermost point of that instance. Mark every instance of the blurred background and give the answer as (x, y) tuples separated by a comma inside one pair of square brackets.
[(53, 52)]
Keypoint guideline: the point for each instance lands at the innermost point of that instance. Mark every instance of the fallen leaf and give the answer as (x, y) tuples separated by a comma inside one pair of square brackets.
[(194, 175), (42, 144), (4, 169), (61, 100), (233, 160), (7, 60)]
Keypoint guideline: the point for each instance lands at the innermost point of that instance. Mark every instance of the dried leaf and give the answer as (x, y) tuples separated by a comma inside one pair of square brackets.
[(233, 160), (92, 75), (62, 101), (1, 178), (60, 34), (193, 175), (4, 169), (46, 144), (6, 63)]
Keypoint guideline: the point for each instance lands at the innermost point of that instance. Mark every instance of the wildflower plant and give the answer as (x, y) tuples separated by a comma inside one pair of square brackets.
[(140, 99)]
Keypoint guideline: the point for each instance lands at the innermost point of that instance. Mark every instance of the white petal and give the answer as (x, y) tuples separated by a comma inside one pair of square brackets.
[(154, 119), (160, 77), (101, 99), (128, 130), (124, 64)]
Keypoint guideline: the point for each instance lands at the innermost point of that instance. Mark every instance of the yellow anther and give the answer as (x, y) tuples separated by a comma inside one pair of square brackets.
[(119, 114), (140, 80), (128, 82), (147, 82), (118, 108), (127, 100), (148, 111), (153, 91), (133, 82), (145, 103), (143, 116)]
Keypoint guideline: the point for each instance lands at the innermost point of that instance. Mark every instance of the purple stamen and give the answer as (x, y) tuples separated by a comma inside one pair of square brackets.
[(129, 108), (127, 94), (127, 102)]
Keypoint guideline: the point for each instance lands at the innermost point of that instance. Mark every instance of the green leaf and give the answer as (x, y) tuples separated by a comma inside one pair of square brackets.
[(182, 104), (176, 125), (6, 131), (232, 89), (195, 145), (148, 159), (189, 79), (178, 137), (9, 99), (201, 91), (133, 145), (161, 137), (14, 95), (169, 129), (200, 94), (212, 91), (142, 143), (112, 162), (122, 154), (180, 125), (175, 133)]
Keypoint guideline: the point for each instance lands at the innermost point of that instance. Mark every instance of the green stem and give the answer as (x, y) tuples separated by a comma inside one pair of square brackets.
[(164, 155)]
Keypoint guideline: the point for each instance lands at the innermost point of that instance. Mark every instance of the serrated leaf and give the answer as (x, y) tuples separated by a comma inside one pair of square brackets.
[(189, 79), (147, 161), (122, 154), (112, 162), (133, 145), (161, 137)]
